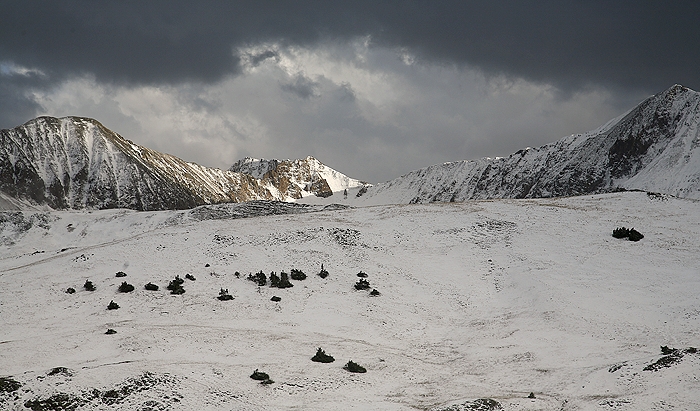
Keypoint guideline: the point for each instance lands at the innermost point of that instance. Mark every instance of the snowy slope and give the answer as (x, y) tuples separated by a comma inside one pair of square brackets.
[(297, 178), (479, 300), (654, 147)]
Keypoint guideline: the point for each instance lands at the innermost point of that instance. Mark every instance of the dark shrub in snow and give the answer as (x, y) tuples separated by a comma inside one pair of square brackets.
[(113, 306), (531, 396), (207, 265), (321, 356), (621, 232), (70, 290), (275, 299), (258, 278), (89, 286), (177, 290), (190, 277), (126, 287), (175, 286), (120, 274), (224, 295), (362, 284), (151, 287), (362, 274), (267, 382), (259, 375), (297, 275), (635, 235), (375, 293), (274, 280), (284, 281), (110, 331), (323, 273), (354, 367)]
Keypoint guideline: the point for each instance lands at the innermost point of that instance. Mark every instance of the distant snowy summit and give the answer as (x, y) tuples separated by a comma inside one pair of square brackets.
[(295, 179), (654, 147), (76, 162)]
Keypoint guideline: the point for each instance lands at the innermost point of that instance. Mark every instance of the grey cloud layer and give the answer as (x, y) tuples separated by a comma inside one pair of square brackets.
[(641, 44)]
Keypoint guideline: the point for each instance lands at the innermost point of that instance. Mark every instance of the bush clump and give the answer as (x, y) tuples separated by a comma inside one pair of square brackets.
[(126, 287), (375, 293), (120, 274), (275, 299), (281, 281), (362, 284), (630, 234), (151, 287), (284, 281), (323, 273), (110, 331), (259, 375), (175, 286), (274, 280), (297, 275), (89, 286), (635, 235), (190, 277), (621, 232), (354, 367), (259, 278), (224, 295), (113, 306), (362, 274), (70, 290), (321, 356)]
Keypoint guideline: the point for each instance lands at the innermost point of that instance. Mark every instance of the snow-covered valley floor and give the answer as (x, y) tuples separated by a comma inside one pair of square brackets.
[(484, 299)]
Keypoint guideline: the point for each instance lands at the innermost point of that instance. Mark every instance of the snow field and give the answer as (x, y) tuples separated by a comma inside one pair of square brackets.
[(489, 299)]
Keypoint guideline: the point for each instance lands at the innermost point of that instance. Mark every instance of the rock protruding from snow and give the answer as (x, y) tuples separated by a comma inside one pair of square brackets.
[(296, 178), (655, 147)]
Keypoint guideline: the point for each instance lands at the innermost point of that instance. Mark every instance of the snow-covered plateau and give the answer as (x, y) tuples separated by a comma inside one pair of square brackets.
[(481, 304)]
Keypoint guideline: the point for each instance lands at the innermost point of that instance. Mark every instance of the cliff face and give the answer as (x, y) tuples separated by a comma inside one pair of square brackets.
[(654, 147), (76, 162), (296, 178)]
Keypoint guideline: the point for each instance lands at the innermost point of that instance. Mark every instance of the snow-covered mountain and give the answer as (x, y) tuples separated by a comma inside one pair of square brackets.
[(654, 147), (75, 162), (296, 178)]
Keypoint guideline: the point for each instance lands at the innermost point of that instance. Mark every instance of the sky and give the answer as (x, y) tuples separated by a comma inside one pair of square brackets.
[(374, 89)]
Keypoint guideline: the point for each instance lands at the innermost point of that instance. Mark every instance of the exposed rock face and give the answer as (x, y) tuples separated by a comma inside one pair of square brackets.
[(654, 147), (75, 162), (296, 178)]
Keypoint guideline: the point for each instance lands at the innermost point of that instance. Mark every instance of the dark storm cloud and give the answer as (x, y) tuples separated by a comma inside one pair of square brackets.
[(629, 44)]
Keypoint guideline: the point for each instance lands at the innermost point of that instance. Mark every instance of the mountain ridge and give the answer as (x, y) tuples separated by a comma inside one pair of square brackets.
[(653, 147), (76, 162)]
